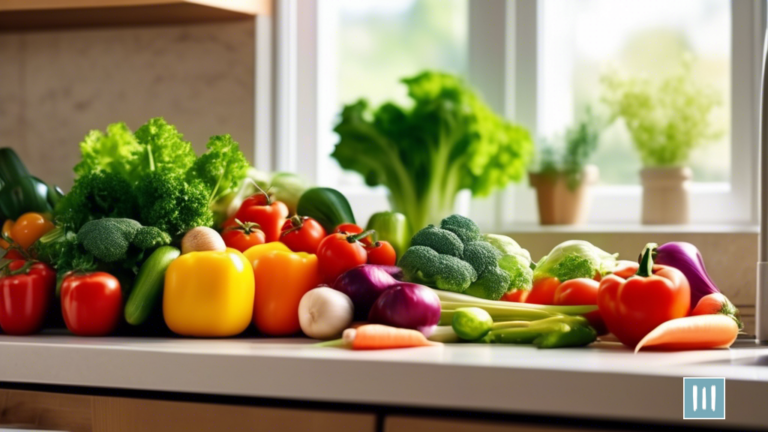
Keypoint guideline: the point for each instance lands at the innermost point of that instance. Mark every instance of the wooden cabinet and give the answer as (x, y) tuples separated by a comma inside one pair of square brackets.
[(76, 413), (424, 424)]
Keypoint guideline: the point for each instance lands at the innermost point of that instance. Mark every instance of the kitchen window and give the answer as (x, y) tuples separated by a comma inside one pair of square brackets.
[(539, 63)]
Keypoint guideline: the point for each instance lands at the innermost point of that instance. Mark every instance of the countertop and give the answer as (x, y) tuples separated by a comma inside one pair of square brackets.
[(604, 381)]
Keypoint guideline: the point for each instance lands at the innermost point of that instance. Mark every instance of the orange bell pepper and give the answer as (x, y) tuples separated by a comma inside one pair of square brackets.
[(282, 278)]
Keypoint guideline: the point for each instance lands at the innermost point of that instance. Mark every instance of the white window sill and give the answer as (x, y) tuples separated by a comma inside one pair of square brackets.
[(637, 228)]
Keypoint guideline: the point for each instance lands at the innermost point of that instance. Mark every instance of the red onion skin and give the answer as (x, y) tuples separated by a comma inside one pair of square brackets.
[(364, 284), (687, 258), (407, 305)]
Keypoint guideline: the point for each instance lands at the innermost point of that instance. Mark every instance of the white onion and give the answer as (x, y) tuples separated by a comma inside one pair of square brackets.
[(324, 313)]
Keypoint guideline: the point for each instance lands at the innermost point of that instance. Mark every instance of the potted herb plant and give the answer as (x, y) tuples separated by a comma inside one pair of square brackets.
[(446, 141), (667, 118), (563, 178)]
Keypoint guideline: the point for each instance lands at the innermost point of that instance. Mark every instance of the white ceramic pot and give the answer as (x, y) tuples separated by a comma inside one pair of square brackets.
[(666, 199)]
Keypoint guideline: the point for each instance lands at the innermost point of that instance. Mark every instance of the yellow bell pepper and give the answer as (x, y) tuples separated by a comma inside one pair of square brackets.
[(209, 294), (282, 278)]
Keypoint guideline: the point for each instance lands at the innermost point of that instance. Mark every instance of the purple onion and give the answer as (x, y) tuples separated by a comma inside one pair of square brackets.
[(394, 271), (364, 284), (687, 258), (407, 305)]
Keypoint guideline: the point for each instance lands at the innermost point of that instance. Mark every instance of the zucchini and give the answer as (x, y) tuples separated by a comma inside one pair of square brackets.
[(26, 194), (11, 167), (327, 206), (148, 288)]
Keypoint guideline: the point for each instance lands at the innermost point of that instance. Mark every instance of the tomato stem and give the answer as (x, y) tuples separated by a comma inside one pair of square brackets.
[(297, 222), (358, 237), (646, 262)]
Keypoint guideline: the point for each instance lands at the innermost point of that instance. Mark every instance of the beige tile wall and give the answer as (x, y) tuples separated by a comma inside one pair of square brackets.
[(730, 258), (55, 86)]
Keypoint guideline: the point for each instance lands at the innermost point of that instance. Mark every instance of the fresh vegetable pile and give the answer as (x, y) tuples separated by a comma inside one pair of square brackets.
[(153, 239)]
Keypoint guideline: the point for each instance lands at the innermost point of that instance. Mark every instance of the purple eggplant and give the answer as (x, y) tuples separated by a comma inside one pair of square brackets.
[(364, 284), (687, 258), (407, 305)]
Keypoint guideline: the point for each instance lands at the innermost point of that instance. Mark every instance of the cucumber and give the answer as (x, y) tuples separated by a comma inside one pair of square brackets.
[(148, 288), (11, 167), (327, 206)]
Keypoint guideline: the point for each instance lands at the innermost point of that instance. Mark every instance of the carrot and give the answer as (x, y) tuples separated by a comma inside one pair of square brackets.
[(717, 303), (377, 336), (692, 332)]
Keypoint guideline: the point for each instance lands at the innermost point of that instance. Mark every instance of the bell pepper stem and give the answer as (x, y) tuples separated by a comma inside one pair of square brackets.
[(646, 261)]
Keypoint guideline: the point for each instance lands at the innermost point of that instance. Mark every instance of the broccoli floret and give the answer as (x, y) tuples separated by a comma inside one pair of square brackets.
[(464, 228), (108, 239), (439, 240), (481, 256), (423, 265), (491, 285), (149, 237)]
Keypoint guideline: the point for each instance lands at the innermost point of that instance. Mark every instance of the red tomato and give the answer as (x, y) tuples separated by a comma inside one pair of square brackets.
[(25, 297), (243, 236), (91, 303), (338, 253), (269, 214), (351, 228), (518, 295), (625, 269), (582, 291), (543, 291), (381, 253), (302, 234)]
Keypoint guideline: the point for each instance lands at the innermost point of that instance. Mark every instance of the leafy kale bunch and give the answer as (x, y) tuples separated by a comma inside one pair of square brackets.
[(580, 143), (455, 257), (448, 140), (151, 178)]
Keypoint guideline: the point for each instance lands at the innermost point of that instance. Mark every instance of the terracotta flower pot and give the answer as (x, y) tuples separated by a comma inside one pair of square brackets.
[(559, 204), (665, 195)]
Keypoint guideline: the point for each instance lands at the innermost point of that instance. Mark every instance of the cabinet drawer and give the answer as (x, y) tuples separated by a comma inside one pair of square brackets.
[(77, 413), (422, 424)]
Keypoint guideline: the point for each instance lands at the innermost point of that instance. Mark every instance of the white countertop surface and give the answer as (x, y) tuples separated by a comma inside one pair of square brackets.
[(604, 381)]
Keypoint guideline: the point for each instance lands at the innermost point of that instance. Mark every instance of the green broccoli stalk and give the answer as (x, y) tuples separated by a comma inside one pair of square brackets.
[(575, 259), (425, 154)]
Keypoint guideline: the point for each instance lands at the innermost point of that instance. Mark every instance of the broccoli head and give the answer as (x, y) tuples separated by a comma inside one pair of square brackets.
[(464, 228), (439, 240), (108, 239), (454, 257), (173, 205), (423, 265)]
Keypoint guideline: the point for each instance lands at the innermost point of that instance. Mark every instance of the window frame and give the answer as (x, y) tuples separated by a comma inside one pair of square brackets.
[(503, 66)]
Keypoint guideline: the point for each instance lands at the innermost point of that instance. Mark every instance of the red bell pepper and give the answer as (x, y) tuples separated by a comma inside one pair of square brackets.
[(91, 303), (25, 294), (633, 307), (263, 210)]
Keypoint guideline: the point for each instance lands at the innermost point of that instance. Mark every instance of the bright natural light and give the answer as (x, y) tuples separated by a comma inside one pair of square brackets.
[(580, 41)]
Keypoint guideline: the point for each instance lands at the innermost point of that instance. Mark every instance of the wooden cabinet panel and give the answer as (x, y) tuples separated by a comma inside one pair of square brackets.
[(77, 413), (47, 411), (419, 424)]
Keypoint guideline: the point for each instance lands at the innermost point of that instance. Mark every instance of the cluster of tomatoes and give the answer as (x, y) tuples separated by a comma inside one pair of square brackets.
[(261, 219)]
